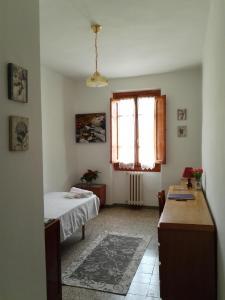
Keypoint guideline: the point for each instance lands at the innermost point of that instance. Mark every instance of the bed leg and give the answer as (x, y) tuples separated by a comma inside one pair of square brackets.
[(83, 232)]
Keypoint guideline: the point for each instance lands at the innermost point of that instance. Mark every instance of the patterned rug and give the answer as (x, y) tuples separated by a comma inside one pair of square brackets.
[(109, 264)]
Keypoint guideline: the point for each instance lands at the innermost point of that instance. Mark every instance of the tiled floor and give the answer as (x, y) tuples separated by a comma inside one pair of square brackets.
[(145, 284)]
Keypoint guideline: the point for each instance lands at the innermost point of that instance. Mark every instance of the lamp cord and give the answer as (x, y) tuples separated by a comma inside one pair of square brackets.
[(96, 52)]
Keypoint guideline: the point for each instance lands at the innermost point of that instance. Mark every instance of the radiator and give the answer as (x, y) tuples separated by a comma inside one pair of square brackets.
[(135, 189)]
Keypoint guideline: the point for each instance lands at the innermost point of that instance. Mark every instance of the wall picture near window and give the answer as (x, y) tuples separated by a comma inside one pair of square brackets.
[(182, 114), (90, 128), (181, 131)]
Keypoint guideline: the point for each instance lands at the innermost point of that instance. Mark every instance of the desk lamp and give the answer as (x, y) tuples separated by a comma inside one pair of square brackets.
[(187, 173)]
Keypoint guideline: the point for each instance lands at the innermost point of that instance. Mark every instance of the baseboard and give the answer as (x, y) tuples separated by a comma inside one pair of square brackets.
[(130, 206)]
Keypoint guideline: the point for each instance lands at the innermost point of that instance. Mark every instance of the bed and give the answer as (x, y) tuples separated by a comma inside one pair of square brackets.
[(72, 213)]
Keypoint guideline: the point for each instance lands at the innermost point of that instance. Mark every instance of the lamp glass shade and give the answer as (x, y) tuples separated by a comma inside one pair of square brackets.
[(187, 173), (96, 80)]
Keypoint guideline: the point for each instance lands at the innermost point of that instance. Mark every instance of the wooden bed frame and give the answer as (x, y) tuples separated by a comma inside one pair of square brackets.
[(83, 232)]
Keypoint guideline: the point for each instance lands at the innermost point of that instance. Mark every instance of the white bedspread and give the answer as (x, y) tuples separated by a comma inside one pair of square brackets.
[(72, 213)]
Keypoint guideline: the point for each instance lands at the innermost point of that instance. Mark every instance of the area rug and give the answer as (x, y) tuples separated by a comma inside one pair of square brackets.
[(108, 264)]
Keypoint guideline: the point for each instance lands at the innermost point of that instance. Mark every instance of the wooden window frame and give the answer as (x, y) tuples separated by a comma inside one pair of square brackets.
[(160, 134)]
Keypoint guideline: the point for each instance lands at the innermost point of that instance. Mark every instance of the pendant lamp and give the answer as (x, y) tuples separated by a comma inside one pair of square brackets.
[(96, 79)]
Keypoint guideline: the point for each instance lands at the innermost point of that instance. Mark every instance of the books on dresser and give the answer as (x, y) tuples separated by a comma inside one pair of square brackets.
[(172, 196)]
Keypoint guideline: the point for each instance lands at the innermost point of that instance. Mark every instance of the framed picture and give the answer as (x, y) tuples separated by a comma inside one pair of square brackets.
[(181, 131), (182, 114), (90, 128), (17, 83), (18, 133)]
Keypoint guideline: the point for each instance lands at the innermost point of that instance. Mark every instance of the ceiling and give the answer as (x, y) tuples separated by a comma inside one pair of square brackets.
[(139, 37)]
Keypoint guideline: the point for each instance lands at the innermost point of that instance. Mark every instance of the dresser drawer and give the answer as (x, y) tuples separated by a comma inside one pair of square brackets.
[(187, 256)]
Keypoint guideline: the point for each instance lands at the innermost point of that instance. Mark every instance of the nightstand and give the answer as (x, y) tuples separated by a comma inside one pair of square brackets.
[(99, 189)]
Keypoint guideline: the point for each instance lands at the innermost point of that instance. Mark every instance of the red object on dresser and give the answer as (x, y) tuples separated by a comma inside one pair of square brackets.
[(187, 173), (99, 189)]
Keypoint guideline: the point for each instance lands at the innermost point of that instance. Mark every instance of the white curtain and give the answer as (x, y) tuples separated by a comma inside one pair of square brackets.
[(146, 132), (126, 120)]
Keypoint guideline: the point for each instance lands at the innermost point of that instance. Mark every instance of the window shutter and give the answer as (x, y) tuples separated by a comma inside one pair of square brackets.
[(113, 131), (161, 129)]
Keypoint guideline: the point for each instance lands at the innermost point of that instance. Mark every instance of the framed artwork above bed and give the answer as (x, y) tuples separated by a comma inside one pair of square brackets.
[(90, 128)]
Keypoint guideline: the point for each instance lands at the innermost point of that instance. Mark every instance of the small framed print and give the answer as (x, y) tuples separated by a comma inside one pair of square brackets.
[(18, 133), (181, 131), (182, 114), (17, 83)]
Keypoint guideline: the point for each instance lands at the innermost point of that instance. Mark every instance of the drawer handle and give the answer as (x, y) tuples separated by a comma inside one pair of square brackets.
[(158, 244)]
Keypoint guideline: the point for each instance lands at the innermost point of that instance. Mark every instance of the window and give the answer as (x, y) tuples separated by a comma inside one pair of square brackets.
[(138, 129)]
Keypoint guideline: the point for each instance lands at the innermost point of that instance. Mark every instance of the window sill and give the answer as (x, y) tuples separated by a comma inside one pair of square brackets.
[(157, 168)]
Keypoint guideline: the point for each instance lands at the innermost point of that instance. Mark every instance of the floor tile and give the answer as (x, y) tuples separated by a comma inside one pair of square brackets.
[(155, 283), (145, 268), (134, 297), (153, 291), (116, 219), (148, 260), (142, 278), (154, 279), (155, 271), (150, 252), (137, 288), (157, 260)]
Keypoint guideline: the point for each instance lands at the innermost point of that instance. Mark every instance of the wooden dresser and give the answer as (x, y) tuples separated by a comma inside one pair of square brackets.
[(187, 249), (99, 189), (53, 260)]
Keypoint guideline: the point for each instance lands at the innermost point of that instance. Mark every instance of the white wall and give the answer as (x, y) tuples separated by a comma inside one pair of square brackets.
[(59, 161), (22, 275), (213, 129), (183, 89)]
